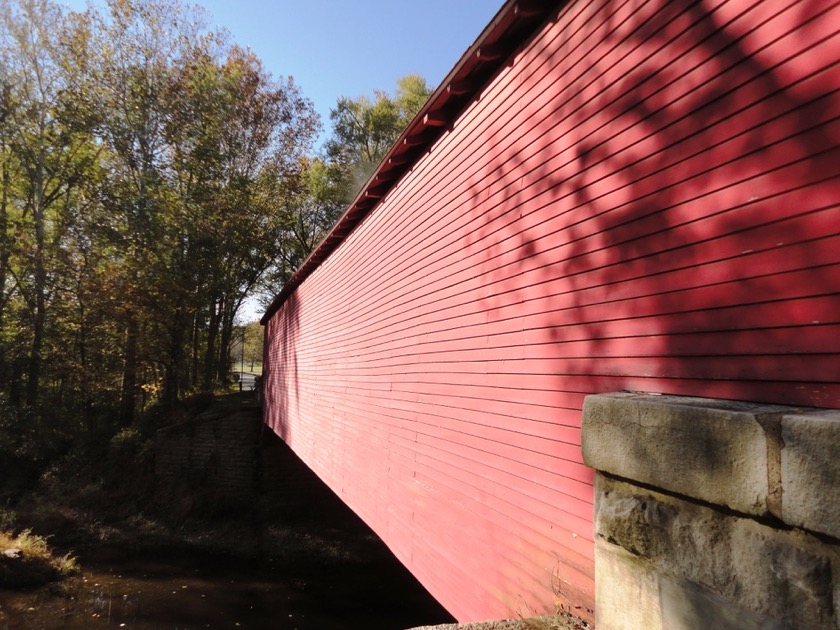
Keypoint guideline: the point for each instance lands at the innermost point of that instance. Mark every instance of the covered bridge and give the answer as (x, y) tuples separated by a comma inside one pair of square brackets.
[(601, 196)]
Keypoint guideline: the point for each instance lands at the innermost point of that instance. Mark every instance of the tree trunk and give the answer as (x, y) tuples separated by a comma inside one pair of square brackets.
[(39, 317), (210, 360), (194, 366), (175, 360), (16, 382), (5, 253), (227, 335), (128, 399), (33, 376)]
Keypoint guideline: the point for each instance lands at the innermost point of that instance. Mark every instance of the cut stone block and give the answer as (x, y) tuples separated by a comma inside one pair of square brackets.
[(641, 596), (712, 450), (746, 572), (811, 471), (631, 599)]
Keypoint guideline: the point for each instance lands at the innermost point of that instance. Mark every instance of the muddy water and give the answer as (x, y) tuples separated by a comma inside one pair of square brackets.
[(181, 590)]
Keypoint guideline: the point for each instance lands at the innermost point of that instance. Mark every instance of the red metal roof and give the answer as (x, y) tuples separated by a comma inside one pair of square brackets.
[(507, 31)]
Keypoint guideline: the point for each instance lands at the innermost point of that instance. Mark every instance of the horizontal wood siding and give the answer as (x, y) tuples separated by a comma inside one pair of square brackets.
[(644, 198)]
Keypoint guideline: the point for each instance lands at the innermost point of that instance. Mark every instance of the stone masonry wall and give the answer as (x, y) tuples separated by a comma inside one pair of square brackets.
[(713, 514), (219, 455)]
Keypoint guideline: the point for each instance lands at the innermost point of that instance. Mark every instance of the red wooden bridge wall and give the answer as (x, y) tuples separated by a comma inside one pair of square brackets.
[(645, 198)]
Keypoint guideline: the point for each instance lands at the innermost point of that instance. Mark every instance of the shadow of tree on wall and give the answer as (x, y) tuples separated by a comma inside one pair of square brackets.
[(668, 219), (658, 212), (687, 180)]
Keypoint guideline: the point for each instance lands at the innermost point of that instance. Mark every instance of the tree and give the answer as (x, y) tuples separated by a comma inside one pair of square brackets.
[(136, 46), (152, 176), (239, 154), (364, 129), (50, 145), (8, 167), (204, 149)]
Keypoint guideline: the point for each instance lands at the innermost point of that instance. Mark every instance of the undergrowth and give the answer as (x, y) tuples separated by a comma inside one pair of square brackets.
[(26, 560)]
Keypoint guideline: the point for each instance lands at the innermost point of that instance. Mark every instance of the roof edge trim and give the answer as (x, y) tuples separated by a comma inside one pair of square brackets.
[(514, 23)]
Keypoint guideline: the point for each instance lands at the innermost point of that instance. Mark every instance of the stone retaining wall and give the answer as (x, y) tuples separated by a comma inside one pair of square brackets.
[(219, 454), (713, 514)]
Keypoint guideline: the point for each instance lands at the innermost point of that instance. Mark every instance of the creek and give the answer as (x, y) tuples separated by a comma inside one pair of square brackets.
[(189, 589), (292, 556)]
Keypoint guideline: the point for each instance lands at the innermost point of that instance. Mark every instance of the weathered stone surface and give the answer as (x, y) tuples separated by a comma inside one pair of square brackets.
[(554, 622), (810, 471), (836, 579), (690, 540), (686, 606), (690, 563), (627, 592), (785, 574), (782, 578), (641, 595), (715, 451)]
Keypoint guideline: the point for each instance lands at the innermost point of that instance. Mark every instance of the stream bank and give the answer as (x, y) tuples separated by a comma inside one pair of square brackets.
[(162, 553)]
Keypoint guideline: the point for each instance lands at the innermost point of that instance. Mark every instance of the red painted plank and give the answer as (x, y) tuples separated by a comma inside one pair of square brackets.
[(645, 199)]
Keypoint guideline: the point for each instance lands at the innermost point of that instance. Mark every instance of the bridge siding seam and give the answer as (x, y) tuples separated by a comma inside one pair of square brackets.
[(505, 252)]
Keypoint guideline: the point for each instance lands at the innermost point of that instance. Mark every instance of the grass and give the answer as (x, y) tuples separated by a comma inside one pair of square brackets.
[(247, 367), (26, 560)]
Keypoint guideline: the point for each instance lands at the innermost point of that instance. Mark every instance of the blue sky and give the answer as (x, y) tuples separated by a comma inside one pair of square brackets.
[(337, 48)]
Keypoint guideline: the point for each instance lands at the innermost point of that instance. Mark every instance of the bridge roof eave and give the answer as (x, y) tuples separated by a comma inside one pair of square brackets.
[(512, 25)]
